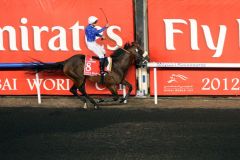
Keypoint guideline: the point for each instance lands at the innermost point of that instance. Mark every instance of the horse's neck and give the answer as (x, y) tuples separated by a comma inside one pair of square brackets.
[(123, 63)]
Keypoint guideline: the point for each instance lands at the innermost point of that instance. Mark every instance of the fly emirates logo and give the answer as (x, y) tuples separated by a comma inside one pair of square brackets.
[(58, 42), (194, 29)]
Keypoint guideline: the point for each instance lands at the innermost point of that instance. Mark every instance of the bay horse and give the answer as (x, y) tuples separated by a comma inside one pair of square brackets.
[(122, 59)]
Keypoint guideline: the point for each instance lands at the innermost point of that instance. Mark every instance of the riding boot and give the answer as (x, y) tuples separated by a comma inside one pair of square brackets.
[(102, 72)]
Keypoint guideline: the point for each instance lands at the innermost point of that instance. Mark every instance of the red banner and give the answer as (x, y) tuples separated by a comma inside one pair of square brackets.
[(51, 31), (194, 31), (197, 82)]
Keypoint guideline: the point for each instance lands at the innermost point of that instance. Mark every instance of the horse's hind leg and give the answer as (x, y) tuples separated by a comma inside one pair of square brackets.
[(83, 91), (73, 90)]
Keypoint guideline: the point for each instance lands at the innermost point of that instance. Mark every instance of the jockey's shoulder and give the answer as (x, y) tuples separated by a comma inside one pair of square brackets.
[(90, 27)]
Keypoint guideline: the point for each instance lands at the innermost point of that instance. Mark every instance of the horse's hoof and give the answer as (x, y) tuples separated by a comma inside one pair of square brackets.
[(122, 100), (85, 106), (97, 108)]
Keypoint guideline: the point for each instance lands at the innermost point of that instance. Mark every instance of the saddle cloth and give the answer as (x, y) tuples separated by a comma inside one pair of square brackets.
[(92, 66)]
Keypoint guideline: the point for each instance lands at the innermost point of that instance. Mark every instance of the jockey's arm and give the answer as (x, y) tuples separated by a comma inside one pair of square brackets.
[(98, 35), (99, 31)]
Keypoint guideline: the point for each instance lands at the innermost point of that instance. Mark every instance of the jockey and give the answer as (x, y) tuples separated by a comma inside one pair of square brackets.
[(91, 33)]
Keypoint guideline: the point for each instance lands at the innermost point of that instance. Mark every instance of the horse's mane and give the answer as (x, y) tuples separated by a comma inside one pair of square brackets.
[(119, 52)]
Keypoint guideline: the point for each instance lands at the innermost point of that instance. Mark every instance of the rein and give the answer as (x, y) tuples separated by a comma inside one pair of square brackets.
[(125, 50), (130, 53)]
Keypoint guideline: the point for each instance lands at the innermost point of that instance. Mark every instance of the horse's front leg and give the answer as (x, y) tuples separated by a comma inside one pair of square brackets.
[(127, 84), (113, 90)]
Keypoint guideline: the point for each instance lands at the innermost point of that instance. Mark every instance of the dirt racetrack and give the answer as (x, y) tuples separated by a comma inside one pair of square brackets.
[(178, 128), (133, 102)]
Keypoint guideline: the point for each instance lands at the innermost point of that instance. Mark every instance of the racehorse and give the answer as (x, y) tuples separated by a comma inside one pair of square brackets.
[(122, 59)]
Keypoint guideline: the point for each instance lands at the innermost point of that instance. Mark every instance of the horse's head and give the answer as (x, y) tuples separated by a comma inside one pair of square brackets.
[(141, 56)]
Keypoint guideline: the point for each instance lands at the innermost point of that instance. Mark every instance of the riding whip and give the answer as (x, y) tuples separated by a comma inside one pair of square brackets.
[(104, 15)]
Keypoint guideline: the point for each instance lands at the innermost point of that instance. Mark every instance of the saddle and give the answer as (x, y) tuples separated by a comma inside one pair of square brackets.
[(91, 67)]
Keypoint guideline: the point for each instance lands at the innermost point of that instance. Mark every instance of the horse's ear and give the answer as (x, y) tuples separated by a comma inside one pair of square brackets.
[(127, 45), (134, 43)]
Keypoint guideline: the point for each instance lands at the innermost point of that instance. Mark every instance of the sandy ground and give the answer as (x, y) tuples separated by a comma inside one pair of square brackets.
[(133, 102)]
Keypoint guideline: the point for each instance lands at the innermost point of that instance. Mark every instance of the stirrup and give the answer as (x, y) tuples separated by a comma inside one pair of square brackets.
[(104, 73)]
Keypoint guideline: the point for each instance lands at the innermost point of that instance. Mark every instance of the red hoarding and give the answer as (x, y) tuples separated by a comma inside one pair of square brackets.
[(51, 31), (193, 31)]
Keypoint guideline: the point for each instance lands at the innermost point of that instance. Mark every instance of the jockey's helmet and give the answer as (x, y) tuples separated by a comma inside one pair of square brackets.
[(92, 19)]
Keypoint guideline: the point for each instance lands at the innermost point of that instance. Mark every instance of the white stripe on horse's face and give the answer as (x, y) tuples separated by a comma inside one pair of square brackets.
[(136, 50), (145, 54)]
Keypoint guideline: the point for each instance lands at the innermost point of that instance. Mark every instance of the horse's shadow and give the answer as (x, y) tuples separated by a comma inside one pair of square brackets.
[(25, 121)]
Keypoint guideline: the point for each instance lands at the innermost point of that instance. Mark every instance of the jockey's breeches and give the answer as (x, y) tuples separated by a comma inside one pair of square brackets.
[(96, 48)]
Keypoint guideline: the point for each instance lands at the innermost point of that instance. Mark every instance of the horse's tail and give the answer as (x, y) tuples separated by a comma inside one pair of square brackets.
[(49, 66), (39, 66)]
